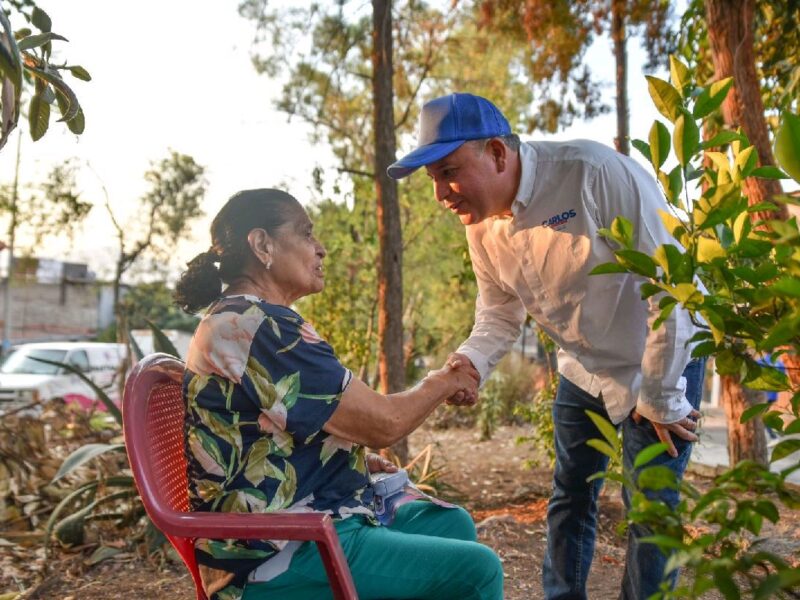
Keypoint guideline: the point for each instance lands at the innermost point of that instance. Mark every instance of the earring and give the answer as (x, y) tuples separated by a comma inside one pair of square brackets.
[(268, 265)]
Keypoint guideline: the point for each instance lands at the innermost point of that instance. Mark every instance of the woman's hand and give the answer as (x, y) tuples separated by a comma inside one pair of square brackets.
[(376, 463)]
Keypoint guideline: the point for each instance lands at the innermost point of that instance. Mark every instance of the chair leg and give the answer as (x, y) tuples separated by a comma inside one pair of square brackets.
[(333, 558)]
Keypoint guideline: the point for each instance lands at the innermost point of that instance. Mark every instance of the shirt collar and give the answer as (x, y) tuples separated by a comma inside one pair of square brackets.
[(527, 159)]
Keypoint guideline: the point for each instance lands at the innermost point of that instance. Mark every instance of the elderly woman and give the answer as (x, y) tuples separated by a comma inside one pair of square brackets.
[(274, 422)]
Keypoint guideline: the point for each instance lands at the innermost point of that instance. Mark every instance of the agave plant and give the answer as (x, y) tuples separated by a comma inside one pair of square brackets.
[(106, 492)]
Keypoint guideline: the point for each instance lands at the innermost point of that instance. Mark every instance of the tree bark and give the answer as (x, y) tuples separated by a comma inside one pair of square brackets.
[(390, 277), (746, 440), (619, 36), (730, 35)]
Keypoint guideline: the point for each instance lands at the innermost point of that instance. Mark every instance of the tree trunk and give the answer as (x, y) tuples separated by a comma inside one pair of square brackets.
[(619, 36), (390, 277), (730, 35), (745, 440)]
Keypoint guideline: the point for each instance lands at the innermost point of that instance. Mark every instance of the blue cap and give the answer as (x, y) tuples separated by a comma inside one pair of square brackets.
[(445, 124)]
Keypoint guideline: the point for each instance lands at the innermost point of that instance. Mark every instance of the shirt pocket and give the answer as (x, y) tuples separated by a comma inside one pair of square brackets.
[(562, 265)]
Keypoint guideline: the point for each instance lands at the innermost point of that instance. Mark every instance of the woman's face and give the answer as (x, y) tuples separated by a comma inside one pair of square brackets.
[(297, 258)]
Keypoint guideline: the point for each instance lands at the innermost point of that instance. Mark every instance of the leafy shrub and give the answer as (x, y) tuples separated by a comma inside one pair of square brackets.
[(750, 308)]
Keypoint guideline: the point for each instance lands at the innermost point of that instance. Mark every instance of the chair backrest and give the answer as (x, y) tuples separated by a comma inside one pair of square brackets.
[(153, 413)]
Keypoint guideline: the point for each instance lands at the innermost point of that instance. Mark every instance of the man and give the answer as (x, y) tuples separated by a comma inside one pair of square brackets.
[(533, 212)]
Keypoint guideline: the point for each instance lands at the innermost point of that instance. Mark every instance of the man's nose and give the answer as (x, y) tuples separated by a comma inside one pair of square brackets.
[(441, 189)]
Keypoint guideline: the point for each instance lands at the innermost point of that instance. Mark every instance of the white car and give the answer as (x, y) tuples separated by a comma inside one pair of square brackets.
[(26, 381)]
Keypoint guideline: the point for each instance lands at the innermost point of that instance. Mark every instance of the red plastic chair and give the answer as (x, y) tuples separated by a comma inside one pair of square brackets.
[(153, 422)]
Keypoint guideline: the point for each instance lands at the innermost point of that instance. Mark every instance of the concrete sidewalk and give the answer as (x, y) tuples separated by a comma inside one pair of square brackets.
[(712, 449)]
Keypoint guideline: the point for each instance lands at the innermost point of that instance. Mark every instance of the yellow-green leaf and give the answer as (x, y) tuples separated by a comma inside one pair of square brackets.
[(708, 249), (687, 292), (665, 97), (659, 144), (38, 116), (671, 222), (787, 145), (685, 138), (679, 74)]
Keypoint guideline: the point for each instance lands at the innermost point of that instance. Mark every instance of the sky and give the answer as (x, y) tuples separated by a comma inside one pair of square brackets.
[(177, 74)]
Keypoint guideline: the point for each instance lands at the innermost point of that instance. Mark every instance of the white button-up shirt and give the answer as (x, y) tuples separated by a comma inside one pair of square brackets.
[(539, 261)]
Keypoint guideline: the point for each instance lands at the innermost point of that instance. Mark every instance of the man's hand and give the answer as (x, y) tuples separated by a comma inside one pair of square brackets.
[(463, 363), (377, 463), (683, 429)]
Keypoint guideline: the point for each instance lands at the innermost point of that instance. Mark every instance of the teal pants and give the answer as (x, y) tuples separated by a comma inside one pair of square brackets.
[(429, 552)]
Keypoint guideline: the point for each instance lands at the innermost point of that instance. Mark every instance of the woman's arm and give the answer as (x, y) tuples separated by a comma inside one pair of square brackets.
[(371, 419)]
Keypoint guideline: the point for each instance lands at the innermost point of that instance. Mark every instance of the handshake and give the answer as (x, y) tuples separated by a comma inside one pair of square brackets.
[(462, 378)]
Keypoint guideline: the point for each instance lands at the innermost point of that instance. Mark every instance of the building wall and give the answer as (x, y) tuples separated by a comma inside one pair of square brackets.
[(45, 311)]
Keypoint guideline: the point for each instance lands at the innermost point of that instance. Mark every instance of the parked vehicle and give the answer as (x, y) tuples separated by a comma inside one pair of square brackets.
[(26, 381)]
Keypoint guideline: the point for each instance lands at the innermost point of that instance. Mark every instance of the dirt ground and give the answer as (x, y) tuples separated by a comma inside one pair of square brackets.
[(507, 501)]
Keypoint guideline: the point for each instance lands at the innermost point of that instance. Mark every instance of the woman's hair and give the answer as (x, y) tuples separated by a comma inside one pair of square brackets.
[(202, 281)]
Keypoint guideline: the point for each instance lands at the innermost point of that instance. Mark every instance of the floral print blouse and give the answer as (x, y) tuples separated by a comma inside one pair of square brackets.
[(259, 386)]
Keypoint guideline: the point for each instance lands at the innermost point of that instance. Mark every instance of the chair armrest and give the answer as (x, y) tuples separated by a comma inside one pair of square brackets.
[(245, 526)]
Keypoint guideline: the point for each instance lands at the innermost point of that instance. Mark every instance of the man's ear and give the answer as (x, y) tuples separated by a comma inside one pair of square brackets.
[(499, 153), (261, 245)]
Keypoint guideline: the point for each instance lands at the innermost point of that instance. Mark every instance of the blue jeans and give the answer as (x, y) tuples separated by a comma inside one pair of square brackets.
[(572, 511)]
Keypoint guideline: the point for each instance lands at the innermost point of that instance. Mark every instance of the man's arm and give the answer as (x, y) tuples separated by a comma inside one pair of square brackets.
[(623, 188), (499, 316)]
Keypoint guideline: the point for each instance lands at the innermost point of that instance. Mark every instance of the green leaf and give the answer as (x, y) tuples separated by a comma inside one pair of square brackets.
[(161, 342), (648, 454), (767, 510), (679, 74), (706, 348), (136, 350), (752, 412), (665, 97), (721, 139), (686, 138), (82, 455), (761, 206), (603, 447), (769, 172), (112, 408), (725, 584), (80, 73), (789, 286), (605, 427), (102, 553), (622, 231), (649, 289), (76, 124), (38, 116), (643, 148), (787, 145), (608, 268), (659, 144), (728, 363), (39, 39), (41, 20), (711, 98), (666, 311), (657, 478), (663, 541), (783, 449), (61, 87), (639, 262), (675, 184), (746, 161), (9, 66)]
